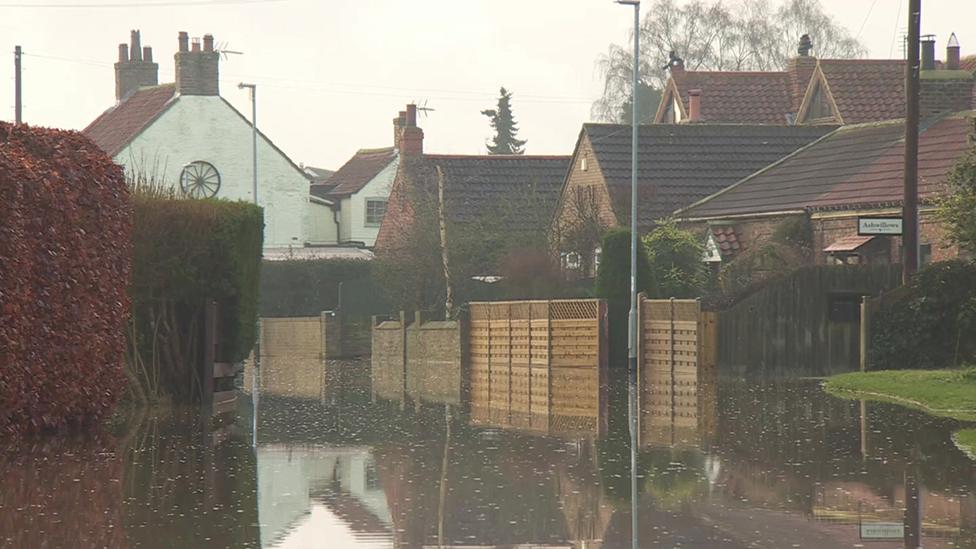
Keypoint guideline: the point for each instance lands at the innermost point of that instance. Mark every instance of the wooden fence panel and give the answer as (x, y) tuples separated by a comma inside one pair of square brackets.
[(539, 365), (677, 345)]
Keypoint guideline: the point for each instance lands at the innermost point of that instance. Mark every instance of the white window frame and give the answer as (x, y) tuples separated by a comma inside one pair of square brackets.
[(366, 203)]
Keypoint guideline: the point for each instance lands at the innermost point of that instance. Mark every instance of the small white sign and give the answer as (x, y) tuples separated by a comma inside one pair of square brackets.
[(882, 530), (879, 226)]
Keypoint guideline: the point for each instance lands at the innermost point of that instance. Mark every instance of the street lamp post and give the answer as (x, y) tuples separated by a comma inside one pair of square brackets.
[(254, 136), (632, 318)]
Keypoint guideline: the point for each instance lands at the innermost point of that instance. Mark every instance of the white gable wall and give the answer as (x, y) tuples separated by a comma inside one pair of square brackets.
[(353, 209), (209, 129)]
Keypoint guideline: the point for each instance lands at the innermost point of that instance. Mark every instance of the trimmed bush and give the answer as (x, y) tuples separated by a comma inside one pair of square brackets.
[(185, 252), (675, 257), (613, 276), (930, 322), (65, 224), (308, 287)]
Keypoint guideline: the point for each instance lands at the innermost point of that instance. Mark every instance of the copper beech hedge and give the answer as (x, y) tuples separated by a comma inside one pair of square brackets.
[(65, 224)]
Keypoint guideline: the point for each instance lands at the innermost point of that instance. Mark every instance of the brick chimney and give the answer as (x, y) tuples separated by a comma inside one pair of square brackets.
[(800, 70), (411, 137), (675, 63), (952, 53), (136, 70), (694, 105), (398, 124), (196, 68)]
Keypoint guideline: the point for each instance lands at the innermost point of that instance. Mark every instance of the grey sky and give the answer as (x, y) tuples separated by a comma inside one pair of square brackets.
[(332, 74)]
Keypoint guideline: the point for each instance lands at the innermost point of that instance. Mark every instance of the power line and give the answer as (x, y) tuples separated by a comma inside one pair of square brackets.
[(866, 17), (160, 4)]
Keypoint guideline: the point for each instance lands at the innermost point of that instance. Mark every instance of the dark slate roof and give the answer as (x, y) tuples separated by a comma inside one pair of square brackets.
[(360, 170), (318, 175), (682, 163), (118, 126), (866, 90), (476, 185), (854, 167), (738, 97)]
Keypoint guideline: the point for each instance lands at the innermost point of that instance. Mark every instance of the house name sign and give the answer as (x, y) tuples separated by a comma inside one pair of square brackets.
[(888, 226)]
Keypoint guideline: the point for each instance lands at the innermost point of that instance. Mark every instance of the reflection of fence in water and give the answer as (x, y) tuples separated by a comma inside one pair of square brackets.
[(676, 367), (539, 365)]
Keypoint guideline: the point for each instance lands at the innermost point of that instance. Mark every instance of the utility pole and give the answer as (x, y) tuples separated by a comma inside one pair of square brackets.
[(632, 318), (254, 135), (18, 105), (909, 237)]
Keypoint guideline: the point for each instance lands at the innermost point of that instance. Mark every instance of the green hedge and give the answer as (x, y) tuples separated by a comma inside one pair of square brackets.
[(185, 252), (930, 322), (308, 287)]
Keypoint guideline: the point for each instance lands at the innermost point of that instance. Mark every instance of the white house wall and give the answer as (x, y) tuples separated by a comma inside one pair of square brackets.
[(209, 129), (354, 207), (322, 226)]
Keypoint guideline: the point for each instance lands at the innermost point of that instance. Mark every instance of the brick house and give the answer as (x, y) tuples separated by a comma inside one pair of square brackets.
[(184, 135), (856, 170), (677, 165), (470, 191), (811, 90)]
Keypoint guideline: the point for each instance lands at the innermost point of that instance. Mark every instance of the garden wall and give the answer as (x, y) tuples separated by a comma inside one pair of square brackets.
[(418, 359), (65, 226)]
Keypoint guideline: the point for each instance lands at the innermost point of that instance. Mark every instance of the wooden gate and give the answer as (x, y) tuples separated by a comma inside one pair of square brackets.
[(676, 358), (539, 365)]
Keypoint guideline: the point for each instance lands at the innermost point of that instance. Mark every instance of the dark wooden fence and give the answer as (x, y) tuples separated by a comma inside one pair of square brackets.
[(804, 324)]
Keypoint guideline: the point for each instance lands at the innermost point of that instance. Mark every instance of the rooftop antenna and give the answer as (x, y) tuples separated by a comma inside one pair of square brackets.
[(224, 52), (424, 109)]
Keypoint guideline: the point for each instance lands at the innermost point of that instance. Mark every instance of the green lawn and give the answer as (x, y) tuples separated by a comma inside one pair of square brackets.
[(947, 393), (966, 441)]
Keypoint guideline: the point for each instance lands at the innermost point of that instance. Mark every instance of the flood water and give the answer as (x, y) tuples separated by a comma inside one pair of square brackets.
[(764, 464)]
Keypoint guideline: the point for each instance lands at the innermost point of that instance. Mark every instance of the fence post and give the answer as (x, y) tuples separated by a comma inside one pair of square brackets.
[(548, 364), (209, 354), (509, 315), (865, 333), (403, 360)]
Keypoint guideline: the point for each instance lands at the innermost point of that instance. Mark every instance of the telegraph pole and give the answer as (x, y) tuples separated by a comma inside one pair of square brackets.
[(909, 237), (254, 135), (18, 106)]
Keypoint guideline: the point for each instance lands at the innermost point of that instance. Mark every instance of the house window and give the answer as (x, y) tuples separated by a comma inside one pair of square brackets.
[(375, 210), (597, 256), (583, 165), (571, 261)]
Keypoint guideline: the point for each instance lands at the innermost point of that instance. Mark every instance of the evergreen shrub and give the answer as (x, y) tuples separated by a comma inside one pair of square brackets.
[(930, 322)]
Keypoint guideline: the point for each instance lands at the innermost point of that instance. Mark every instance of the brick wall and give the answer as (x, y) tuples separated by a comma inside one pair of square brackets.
[(429, 370), (585, 188), (884, 249)]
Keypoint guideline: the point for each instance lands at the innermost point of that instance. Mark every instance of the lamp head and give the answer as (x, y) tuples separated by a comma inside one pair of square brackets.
[(628, 2)]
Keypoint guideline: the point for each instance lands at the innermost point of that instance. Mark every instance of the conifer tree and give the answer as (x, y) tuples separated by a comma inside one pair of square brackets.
[(503, 122)]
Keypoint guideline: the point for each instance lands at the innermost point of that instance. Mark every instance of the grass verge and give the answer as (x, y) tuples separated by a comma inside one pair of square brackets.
[(965, 440), (946, 393)]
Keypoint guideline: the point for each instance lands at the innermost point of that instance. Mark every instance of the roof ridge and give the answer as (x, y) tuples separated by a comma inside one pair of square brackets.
[(499, 156), (376, 150)]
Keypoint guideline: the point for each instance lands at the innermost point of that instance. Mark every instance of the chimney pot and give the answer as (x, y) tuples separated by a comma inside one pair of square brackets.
[(952, 53), (136, 46), (928, 52), (411, 121), (208, 42), (123, 53), (147, 54), (195, 45), (184, 41), (694, 105), (805, 46)]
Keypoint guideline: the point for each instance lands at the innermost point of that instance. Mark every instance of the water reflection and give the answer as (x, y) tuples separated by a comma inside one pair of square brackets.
[(768, 464)]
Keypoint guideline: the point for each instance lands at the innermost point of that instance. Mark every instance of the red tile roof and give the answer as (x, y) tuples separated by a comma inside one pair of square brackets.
[(726, 239), (738, 97), (854, 167), (866, 90), (118, 126), (359, 170), (968, 63)]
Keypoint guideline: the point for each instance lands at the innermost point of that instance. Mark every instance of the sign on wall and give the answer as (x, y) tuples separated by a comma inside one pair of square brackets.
[(889, 226), (882, 530)]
